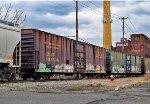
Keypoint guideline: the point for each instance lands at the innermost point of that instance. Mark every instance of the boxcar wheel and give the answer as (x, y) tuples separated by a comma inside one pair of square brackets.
[(12, 77), (46, 77), (36, 77), (24, 77)]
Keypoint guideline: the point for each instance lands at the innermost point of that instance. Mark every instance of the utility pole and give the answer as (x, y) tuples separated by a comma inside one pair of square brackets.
[(76, 20), (123, 18)]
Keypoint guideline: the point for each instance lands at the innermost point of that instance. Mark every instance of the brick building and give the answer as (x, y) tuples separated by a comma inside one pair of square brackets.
[(138, 45)]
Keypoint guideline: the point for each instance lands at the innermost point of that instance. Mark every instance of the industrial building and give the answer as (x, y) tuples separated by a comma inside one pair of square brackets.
[(139, 44)]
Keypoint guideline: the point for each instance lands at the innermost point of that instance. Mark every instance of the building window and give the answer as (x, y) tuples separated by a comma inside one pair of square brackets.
[(137, 38)]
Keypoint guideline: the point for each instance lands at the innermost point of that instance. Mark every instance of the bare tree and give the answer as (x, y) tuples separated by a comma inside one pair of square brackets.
[(23, 21), (0, 11), (18, 17), (8, 10)]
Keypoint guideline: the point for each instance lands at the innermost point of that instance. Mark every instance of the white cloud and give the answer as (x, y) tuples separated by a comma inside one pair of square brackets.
[(90, 24), (139, 15), (94, 28)]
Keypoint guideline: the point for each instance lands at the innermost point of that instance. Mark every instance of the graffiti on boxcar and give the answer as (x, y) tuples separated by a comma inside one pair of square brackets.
[(100, 69), (63, 68), (89, 67), (97, 69), (57, 68), (43, 68), (147, 65), (118, 69)]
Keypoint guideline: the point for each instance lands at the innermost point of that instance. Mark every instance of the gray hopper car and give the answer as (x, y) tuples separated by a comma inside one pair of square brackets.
[(10, 51)]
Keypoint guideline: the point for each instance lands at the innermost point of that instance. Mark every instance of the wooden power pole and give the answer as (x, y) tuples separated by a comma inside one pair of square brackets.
[(123, 18), (76, 20)]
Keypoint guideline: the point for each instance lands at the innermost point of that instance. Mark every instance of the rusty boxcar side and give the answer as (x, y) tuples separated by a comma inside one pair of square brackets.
[(95, 59), (44, 52)]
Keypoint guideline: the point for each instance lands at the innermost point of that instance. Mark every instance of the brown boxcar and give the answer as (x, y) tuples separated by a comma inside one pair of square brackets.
[(47, 52), (42, 48), (147, 65), (95, 59)]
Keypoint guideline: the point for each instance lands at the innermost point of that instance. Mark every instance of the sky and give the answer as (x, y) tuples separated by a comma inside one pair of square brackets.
[(58, 17)]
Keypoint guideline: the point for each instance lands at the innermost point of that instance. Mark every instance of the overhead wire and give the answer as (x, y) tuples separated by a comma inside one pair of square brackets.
[(55, 3), (129, 28), (115, 16), (89, 8), (81, 39), (83, 5), (93, 3), (132, 24), (96, 11)]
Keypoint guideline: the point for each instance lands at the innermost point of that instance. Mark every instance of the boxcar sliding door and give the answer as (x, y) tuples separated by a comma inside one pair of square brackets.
[(79, 57)]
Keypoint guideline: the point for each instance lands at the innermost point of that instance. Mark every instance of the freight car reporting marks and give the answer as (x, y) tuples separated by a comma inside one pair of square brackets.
[(50, 57)]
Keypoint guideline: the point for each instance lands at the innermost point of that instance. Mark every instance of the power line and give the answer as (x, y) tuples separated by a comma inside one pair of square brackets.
[(129, 28), (80, 39), (115, 16), (85, 6), (89, 8), (132, 24), (98, 7), (81, 4), (55, 3), (93, 3)]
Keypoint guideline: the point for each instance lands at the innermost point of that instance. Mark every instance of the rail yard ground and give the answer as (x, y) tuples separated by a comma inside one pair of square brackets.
[(86, 91), (136, 95), (135, 90), (74, 86)]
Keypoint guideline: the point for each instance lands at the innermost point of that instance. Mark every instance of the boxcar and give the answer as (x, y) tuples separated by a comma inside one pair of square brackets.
[(147, 65), (44, 54), (125, 64)]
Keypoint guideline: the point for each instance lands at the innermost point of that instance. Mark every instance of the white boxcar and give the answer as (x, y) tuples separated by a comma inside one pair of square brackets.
[(10, 51)]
